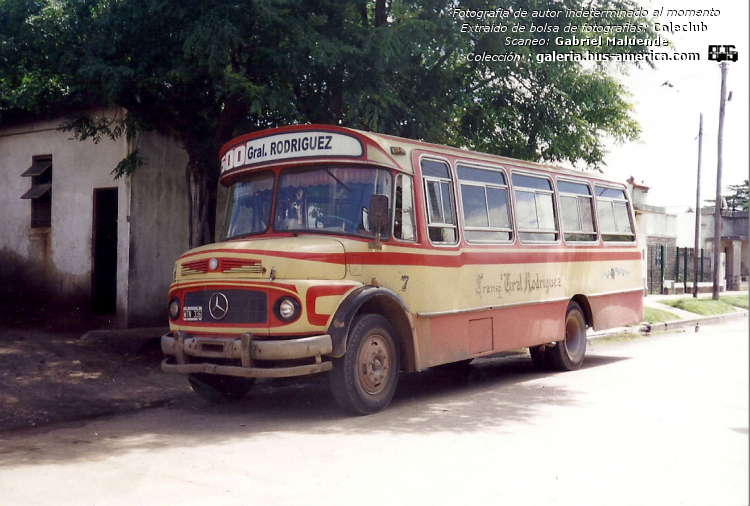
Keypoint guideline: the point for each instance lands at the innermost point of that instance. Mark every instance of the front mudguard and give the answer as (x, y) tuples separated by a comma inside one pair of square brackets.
[(369, 299)]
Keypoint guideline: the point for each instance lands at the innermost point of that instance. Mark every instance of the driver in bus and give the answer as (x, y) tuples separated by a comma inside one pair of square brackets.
[(293, 213)]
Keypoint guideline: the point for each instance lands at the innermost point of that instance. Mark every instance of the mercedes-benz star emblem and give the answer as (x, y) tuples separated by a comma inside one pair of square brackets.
[(218, 306)]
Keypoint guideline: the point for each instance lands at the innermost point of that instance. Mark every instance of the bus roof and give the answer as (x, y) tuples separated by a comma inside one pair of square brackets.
[(313, 144)]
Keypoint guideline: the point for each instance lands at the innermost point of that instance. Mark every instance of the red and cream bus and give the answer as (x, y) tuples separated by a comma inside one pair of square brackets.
[(363, 255)]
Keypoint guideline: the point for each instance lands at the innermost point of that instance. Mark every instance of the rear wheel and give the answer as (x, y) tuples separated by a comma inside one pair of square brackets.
[(364, 380), (220, 389), (568, 354)]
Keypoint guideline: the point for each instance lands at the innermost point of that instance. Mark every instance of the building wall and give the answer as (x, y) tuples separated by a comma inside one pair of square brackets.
[(661, 225), (735, 225), (734, 230), (639, 197), (158, 227), (686, 229), (57, 259), (152, 225)]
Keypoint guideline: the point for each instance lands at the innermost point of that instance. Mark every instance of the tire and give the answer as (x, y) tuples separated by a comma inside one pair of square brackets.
[(364, 380), (540, 358), (220, 389), (568, 354)]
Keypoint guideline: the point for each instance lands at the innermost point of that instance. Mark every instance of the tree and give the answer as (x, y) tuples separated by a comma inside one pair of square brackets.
[(203, 71), (735, 201), (738, 200), (192, 70)]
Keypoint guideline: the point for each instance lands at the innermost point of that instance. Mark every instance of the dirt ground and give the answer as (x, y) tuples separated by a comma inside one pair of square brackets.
[(72, 366)]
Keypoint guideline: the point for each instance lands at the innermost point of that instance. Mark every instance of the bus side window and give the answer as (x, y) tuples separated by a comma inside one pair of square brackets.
[(441, 210), (576, 211), (614, 218), (404, 224), (484, 200), (535, 209)]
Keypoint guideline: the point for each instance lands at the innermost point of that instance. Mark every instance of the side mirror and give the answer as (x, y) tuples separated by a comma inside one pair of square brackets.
[(378, 217)]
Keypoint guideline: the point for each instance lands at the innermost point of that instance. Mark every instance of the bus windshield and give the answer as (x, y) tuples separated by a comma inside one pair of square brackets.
[(323, 199), (329, 199), (249, 206)]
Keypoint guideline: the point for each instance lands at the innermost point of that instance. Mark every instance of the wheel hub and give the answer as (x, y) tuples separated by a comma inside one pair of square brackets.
[(374, 364)]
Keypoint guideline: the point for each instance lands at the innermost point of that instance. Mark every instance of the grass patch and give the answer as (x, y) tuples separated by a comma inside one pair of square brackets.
[(703, 307), (652, 315), (736, 300)]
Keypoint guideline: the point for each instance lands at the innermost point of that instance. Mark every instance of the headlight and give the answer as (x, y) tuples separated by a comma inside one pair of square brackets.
[(286, 309), (174, 308)]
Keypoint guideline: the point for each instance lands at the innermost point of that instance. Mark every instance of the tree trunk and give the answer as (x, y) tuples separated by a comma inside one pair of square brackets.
[(381, 12), (201, 175), (203, 170), (363, 14)]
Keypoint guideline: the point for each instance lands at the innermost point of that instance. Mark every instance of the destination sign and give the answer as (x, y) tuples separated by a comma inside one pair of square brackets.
[(289, 146)]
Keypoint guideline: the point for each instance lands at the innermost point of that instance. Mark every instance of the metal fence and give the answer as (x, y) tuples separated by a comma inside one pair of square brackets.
[(676, 264)]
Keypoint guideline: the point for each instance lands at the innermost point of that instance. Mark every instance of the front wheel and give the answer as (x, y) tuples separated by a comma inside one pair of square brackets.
[(568, 354), (220, 389), (364, 380)]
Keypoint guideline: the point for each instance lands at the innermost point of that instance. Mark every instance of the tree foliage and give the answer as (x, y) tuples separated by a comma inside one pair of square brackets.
[(740, 197), (205, 70)]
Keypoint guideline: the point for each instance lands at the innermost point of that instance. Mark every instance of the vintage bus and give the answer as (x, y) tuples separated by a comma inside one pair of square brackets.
[(363, 255)]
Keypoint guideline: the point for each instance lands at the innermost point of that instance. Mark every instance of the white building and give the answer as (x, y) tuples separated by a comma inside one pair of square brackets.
[(675, 228), (71, 234), (734, 243)]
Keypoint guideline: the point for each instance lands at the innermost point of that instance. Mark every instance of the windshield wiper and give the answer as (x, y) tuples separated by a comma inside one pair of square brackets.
[(339, 181)]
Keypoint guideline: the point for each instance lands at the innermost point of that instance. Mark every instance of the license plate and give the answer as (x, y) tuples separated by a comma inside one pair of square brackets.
[(192, 314)]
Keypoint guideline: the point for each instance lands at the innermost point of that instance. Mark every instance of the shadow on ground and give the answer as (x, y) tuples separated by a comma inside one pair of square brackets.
[(50, 377), (497, 393)]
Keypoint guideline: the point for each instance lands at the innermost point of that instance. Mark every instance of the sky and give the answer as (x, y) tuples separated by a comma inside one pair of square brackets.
[(666, 156)]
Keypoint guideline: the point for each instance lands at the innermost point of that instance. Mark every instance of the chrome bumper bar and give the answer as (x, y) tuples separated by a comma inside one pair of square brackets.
[(178, 347)]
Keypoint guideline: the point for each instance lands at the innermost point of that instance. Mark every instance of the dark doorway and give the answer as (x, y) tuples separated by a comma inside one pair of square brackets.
[(104, 268)]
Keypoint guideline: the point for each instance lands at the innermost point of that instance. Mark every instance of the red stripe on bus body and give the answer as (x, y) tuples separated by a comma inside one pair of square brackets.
[(331, 258), (211, 285), (490, 258), (457, 259), (316, 319)]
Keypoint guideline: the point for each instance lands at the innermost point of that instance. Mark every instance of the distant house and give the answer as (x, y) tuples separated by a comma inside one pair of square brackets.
[(662, 232), (70, 234), (734, 243)]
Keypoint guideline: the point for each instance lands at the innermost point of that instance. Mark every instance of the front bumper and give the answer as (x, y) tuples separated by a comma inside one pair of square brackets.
[(183, 350)]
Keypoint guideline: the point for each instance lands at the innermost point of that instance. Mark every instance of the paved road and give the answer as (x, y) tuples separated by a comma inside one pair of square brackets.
[(653, 420)]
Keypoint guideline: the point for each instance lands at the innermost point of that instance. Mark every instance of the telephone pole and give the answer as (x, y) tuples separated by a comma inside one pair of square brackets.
[(697, 212), (717, 212)]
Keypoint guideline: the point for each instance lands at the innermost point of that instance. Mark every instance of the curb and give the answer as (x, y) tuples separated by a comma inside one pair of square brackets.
[(692, 322), (646, 328)]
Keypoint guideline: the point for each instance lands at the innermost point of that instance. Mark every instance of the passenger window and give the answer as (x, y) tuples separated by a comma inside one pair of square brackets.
[(441, 215), (484, 200), (535, 209), (404, 223), (614, 218), (576, 210)]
